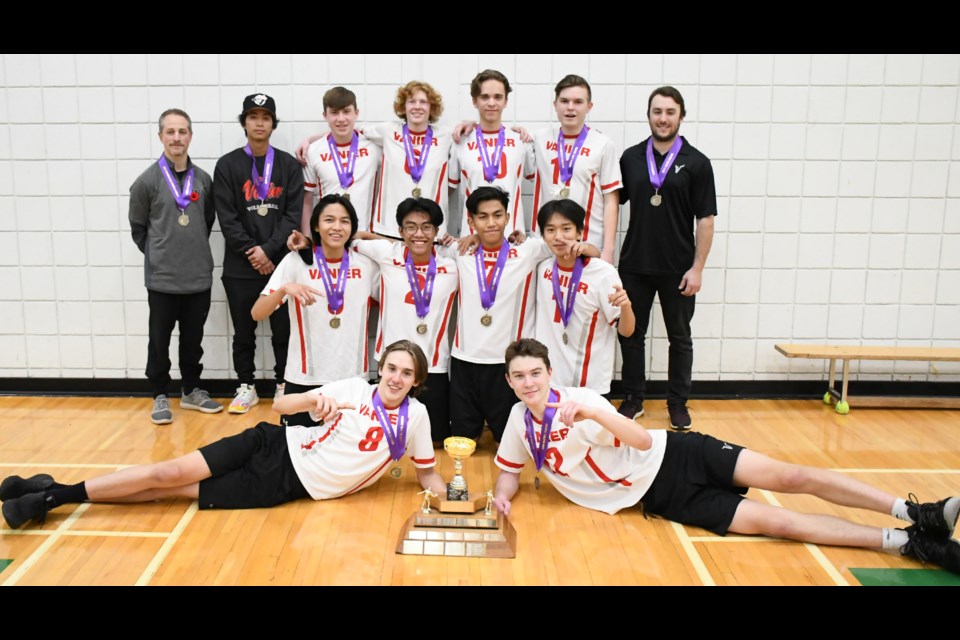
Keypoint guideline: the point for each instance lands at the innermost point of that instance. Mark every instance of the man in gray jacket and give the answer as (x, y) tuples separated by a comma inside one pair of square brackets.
[(171, 215)]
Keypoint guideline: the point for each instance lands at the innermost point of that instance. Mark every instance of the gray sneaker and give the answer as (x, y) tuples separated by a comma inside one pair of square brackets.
[(161, 413), (199, 400)]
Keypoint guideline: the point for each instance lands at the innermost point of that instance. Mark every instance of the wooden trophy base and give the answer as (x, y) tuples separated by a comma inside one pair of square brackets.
[(460, 528)]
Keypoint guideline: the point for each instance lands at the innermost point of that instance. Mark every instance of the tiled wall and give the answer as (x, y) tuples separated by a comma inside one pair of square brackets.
[(835, 180)]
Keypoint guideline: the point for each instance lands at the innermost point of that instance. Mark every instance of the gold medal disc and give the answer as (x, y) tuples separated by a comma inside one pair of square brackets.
[(486, 320)]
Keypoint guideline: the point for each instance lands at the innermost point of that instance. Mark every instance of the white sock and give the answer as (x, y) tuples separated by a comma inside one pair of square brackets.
[(893, 539), (899, 510)]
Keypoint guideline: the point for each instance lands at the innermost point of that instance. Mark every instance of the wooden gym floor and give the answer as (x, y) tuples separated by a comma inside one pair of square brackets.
[(352, 540)]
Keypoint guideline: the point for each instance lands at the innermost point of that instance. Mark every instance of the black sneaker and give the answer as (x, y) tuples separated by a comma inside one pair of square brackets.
[(631, 408), (33, 506), (935, 518), (927, 548), (679, 417), (15, 486)]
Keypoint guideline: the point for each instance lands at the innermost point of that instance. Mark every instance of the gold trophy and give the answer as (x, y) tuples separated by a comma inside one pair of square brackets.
[(465, 524), (459, 449)]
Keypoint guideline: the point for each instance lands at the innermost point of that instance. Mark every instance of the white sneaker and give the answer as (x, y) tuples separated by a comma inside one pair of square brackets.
[(281, 387), (246, 397)]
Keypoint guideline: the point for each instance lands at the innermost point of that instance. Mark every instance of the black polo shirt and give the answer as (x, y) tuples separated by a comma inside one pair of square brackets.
[(660, 240)]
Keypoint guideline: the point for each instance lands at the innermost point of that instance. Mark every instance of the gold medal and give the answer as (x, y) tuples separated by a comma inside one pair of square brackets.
[(536, 482), (486, 320), (184, 219), (335, 322), (416, 192), (565, 339), (656, 199), (565, 192), (346, 196), (422, 328), (395, 472), (262, 210)]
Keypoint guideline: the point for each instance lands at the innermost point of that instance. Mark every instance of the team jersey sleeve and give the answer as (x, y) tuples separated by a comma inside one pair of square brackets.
[(352, 390), (596, 434), (539, 251), (512, 455), (704, 192), (281, 275), (311, 180), (376, 250), (610, 311), (420, 444), (529, 162), (610, 179), (453, 165), (377, 133)]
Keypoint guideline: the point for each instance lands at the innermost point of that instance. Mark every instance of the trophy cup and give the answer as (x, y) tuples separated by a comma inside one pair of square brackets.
[(459, 449), (465, 524)]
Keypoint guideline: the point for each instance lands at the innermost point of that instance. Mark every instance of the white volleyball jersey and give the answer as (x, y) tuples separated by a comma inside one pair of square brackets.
[(318, 353), (510, 315), (398, 313), (320, 176), (588, 357), (595, 172), (586, 463), (466, 169), (351, 452), (396, 184)]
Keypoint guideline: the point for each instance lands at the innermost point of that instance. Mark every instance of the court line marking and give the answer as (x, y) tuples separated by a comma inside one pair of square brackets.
[(40, 551), (89, 532), (814, 550), (693, 555), (165, 548)]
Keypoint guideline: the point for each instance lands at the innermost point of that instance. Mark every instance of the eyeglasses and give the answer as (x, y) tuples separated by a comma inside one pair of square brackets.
[(426, 228)]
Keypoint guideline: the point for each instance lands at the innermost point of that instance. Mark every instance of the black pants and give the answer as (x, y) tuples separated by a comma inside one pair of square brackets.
[(242, 294), (479, 392), (166, 310), (436, 398), (297, 419), (677, 314)]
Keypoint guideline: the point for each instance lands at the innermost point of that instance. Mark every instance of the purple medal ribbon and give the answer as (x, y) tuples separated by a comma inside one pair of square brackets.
[(657, 177), (566, 310), (421, 299), (417, 165), (345, 175), (261, 183), (539, 451), (182, 198), (397, 440), (335, 294), (488, 295), (491, 162), (564, 162)]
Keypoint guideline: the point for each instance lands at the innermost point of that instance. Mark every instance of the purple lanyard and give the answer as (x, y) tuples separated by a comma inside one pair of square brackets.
[(335, 295), (345, 175), (488, 295), (397, 440), (657, 177), (566, 310), (417, 165), (182, 198), (262, 184), (491, 162), (421, 299), (539, 451), (564, 162)]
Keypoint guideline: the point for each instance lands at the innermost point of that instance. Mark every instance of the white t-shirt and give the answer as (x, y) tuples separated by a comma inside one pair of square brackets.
[(595, 173), (585, 463), (588, 357), (512, 312), (351, 452), (320, 176), (466, 168), (396, 185), (398, 313), (318, 353)]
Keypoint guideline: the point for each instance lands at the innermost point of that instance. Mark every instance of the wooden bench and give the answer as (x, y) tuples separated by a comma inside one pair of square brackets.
[(848, 353)]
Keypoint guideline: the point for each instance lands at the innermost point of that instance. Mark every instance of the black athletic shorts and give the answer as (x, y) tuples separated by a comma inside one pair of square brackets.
[(695, 483), (251, 469)]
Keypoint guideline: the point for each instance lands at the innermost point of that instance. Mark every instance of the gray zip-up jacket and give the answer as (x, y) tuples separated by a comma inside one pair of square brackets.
[(176, 257)]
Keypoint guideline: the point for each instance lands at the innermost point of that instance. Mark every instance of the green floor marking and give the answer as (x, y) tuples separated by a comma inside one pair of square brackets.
[(5, 563), (906, 578)]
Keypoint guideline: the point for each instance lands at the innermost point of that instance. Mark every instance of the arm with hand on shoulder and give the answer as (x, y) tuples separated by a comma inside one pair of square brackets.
[(624, 429)]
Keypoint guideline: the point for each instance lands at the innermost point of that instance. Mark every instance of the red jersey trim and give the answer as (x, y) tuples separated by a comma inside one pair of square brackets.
[(507, 463)]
